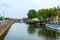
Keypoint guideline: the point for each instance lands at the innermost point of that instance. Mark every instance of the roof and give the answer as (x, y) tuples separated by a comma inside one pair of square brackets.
[(35, 19)]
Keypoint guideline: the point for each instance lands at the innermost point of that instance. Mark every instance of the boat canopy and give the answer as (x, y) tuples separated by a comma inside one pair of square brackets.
[(53, 26), (34, 19)]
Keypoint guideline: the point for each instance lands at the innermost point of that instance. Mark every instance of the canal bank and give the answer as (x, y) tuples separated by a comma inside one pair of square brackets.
[(4, 29), (22, 31)]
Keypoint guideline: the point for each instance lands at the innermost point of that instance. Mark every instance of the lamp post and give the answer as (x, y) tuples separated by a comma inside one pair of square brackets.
[(3, 15), (3, 19)]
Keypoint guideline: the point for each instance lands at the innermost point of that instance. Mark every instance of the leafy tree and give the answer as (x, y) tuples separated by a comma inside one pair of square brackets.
[(44, 13), (32, 13), (52, 12), (1, 18), (47, 12)]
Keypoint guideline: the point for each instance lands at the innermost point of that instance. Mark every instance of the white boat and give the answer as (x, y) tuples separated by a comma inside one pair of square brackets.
[(53, 27)]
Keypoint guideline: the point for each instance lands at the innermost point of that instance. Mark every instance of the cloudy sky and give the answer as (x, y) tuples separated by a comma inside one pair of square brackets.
[(19, 8)]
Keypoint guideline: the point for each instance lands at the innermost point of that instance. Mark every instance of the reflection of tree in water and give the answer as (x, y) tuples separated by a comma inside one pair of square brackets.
[(32, 29), (48, 34)]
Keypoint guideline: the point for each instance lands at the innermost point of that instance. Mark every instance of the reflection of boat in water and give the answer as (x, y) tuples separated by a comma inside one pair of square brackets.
[(43, 32), (53, 27)]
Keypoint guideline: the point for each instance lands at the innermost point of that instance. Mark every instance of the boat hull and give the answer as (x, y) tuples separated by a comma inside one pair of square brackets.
[(50, 27)]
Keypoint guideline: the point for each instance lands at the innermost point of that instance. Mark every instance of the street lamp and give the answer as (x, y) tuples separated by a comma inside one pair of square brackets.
[(3, 15)]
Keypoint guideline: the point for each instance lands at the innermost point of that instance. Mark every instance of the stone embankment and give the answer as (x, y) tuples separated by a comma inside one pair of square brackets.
[(4, 26)]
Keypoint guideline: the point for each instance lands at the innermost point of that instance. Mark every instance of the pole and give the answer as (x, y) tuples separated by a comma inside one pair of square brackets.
[(3, 18), (3, 15)]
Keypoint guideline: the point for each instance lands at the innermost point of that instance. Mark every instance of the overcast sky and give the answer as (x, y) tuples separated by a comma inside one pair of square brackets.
[(19, 8)]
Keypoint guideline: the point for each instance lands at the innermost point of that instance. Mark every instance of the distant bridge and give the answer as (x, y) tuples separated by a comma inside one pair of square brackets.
[(18, 20)]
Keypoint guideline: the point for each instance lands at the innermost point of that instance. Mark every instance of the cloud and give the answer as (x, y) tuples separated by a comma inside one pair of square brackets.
[(5, 5), (22, 6)]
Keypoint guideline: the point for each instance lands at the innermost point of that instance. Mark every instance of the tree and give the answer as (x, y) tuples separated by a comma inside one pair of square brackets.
[(44, 13), (52, 12), (32, 13)]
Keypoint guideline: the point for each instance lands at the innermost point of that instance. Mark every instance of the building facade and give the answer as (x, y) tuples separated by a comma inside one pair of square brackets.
[(58, 10)]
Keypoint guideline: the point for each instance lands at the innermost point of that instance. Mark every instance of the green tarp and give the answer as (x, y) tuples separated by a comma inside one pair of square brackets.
[(35, 19)]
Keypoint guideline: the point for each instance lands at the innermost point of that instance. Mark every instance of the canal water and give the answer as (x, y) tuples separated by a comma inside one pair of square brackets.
[(22, 31)]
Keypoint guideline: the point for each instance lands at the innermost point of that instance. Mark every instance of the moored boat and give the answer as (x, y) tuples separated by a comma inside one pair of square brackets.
[(53, 27)]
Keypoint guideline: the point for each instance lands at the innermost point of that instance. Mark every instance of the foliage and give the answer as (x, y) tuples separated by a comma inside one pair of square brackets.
[(1, 18), (32, 14), (44, 13), (4, 18), (7, 18), (47, 12)]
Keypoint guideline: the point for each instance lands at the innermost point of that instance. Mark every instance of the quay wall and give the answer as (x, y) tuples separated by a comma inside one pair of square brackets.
[(4, 28)]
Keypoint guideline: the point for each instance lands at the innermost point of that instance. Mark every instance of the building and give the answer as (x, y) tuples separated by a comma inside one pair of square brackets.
[(58, 10), (58, 14)]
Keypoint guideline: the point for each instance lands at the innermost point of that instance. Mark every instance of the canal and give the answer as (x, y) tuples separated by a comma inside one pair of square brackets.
[(22, 31)]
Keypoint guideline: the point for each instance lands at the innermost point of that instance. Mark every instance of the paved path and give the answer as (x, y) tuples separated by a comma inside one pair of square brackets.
[(5, 27)]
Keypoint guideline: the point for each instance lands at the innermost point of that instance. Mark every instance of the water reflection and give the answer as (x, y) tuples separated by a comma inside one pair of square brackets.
[(43, 32), (22, 31)]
